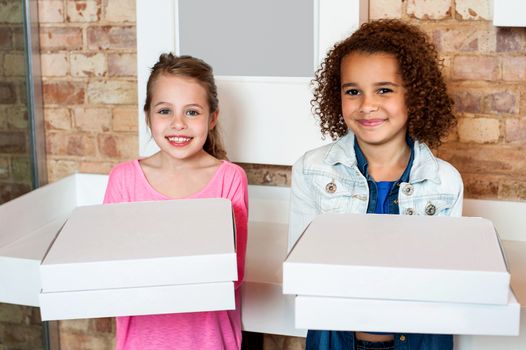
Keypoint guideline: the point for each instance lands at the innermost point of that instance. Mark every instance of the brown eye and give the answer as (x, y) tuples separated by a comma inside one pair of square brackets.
[(352, 92)]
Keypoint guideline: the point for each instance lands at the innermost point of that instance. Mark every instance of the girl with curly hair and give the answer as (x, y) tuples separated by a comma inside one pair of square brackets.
[(380, 95)]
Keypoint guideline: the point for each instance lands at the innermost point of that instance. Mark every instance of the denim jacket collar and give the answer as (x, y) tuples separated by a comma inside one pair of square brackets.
[(425, 165)]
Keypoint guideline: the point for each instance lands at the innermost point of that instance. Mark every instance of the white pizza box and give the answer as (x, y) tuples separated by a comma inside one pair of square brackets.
[(403, 316), (397, 257), (141, 251), (151, 300), (29, 224)]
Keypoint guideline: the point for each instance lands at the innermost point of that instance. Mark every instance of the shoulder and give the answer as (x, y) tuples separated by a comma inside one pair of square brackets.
[(124, 173), (448, 173), (435, 169), (314, 157), (124, 168), (233, 172)]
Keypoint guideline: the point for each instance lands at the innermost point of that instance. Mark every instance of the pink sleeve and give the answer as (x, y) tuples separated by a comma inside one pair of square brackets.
[(237, 192), (115, 189)]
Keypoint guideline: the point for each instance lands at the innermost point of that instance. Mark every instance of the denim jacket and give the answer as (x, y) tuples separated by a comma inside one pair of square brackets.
[(328, 180)]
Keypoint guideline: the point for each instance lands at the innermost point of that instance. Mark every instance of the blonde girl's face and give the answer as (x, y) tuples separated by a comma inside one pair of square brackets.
[(373, 98), (180, 117)]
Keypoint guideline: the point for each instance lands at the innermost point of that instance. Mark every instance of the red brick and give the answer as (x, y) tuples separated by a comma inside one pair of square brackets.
[(5, 38), (478, 130), (514, 68), (385, 9), (13, 142), (112, 92), (9, 191), (491, 159), (63, 92), (60, 38), (83, 11), (118, 146), (19, 40), (88, 65), (14, 65), (21, 91), (511, 39), (84, 341), (422, 9), (119, 11), (20, 169), (57, 118), (71, 144), (475, 68), (110, 37), (467, 101), (516, 130), (7, 92), (456, 39), (17, 118), (501, 102), (266, 174), (513, 189), (54, 64), (11, 12), (58, 167), (92, 119), (103, 325), (125, 119), (473, 9), (96, 167), (122, 65), (77, 325), (51, 11)]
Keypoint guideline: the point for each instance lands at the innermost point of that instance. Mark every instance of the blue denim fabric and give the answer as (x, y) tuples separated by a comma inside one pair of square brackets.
[(392, 198), (335, 340), (340, 340)]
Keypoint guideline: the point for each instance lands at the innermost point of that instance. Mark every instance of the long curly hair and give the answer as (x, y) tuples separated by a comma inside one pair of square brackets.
[(429, 106), (195, 68)]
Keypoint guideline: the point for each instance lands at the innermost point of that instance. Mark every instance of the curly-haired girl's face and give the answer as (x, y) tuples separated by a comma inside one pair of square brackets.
[(373, 98)]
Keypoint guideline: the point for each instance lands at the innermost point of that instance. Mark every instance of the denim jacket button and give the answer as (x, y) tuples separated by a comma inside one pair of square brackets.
[(330, 187), (408, 189), (430, 209), (402, 338), (409, 211)]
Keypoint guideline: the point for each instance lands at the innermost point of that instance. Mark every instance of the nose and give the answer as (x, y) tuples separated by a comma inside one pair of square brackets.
[(369, 104), (178, 122)]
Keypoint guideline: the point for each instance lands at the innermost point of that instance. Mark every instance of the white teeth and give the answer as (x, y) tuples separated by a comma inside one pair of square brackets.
[(178, 139)]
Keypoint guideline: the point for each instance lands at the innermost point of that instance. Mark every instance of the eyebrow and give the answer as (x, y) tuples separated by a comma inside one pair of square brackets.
[(168, 103), (380, 83)]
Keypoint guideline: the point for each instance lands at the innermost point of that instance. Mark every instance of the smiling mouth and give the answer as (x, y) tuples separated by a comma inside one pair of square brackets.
[(370, 122), (179, 140)]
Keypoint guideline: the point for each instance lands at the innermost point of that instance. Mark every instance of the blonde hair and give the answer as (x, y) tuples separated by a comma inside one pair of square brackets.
[(195, 68)]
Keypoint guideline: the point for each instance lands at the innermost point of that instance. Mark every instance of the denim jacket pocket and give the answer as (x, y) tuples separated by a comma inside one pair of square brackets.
[(336, 195), (430, 205)]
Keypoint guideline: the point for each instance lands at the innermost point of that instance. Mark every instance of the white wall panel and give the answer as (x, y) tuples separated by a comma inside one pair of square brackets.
[(264, 119)]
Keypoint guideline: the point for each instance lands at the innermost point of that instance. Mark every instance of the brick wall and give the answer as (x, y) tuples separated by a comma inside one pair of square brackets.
[(19, 326), (88, 62), (15, 175), (88, 54)]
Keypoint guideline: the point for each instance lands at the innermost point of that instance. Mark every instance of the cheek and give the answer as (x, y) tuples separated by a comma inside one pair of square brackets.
[(349, 107)]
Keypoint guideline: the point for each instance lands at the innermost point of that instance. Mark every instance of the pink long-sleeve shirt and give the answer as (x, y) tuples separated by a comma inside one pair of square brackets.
[(197, 330)]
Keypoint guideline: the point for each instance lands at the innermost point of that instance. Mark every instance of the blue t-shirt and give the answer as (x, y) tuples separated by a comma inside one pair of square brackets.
[(384, 188)]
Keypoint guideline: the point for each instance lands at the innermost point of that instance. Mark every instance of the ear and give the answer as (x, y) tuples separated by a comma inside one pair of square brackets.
[(213, 119)]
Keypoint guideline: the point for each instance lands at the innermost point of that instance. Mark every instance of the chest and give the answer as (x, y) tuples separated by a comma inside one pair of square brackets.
[(349, 192)]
